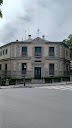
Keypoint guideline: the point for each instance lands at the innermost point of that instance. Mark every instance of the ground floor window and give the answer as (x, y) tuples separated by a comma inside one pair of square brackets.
[(51, 69), (0, 66), (67, 69), (5, 67), (24, 68)]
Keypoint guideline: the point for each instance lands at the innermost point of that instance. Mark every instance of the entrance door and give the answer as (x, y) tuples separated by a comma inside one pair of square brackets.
[(37, 72)]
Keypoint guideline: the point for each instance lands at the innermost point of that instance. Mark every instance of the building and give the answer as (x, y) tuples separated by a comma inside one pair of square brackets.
[(36, 58)]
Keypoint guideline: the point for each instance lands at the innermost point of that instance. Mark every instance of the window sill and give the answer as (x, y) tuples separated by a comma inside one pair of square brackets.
[(38, 56), (52, 56), (24, 55)]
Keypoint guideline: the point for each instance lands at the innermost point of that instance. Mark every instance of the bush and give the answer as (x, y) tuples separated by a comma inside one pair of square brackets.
[(56, 79), (3, 82), (13, 81)]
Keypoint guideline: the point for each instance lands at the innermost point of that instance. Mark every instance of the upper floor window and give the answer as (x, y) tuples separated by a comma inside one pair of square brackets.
[(3, 52), (38, 51), (51, 51), (6, 51), (24, 51), (0, 66), (0, 53), (66, 53)]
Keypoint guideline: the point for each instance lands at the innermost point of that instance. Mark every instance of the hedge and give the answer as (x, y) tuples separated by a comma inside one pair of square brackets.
[(56, 79)]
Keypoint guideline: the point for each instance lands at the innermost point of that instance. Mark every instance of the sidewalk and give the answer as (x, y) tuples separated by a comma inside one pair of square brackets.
[(35, 85), (15, 86)]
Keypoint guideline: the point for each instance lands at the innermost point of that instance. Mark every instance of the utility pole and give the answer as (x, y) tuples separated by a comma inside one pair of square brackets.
[(24, 79), (24, 67)]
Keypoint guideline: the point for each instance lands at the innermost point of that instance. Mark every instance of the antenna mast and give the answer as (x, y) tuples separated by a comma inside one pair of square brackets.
[(28, 30), (25, 34)]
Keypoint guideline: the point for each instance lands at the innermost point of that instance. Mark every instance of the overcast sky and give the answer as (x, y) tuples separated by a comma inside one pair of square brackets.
[(52, 17)]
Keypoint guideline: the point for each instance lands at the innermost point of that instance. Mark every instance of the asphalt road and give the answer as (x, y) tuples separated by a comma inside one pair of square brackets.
[(35, 108)]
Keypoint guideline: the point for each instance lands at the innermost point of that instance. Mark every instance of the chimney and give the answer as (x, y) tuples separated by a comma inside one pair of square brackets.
[(43, 37), (29, 36)]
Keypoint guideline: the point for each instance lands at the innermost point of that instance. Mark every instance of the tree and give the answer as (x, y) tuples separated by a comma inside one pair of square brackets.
[(1, 2), (69, 41)]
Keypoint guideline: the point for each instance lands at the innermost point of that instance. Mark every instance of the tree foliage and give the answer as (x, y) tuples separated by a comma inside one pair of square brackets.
[(69, 41), (1, 2)]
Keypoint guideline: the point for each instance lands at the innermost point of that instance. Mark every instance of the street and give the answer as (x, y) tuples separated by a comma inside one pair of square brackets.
[(35, 108)]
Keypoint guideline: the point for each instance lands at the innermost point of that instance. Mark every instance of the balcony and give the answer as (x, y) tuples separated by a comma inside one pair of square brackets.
[(24, 54), (38, 54)]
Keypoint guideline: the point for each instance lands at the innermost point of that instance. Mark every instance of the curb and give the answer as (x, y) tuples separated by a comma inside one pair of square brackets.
[(36, 85)]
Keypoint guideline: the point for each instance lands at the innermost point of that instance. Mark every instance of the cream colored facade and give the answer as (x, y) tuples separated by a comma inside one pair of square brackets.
[(14, 58)]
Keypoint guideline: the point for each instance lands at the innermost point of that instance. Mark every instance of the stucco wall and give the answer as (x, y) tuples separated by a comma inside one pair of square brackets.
[(5, 56), (67, 57), (8, 65), (15, 50)]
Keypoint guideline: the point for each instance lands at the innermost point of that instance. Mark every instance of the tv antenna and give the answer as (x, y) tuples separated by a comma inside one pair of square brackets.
[(25, 34)]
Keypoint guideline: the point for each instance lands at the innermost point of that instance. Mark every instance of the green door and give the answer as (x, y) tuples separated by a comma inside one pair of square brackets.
[(37, 72)]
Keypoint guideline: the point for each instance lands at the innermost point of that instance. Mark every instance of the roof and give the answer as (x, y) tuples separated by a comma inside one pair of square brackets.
[(30, 40)]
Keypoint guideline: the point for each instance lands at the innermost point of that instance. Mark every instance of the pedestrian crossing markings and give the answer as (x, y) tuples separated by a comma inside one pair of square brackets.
[(69, 88)]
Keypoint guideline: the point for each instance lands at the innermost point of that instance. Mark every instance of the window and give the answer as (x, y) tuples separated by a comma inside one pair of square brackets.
[(6, 51), (51, 69), (67, 67), (70, 55), (0, 66), (3, 52), (6, 67), (66, 53), (38, 51), (0, 53), (51, 51), (24, 68), (24, 51)]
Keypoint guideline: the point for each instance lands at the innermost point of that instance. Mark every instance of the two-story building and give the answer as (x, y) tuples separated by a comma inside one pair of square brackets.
[(36, 58)]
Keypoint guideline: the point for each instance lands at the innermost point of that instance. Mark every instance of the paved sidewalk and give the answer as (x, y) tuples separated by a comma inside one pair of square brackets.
[(15, 86), (35, 85)]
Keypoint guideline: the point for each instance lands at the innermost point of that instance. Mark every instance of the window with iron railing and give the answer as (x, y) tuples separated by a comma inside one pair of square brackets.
[(24, 51), (38, 51), (24, 68), (0, 66), (6, 51), (70, 55), (51, 51), (3, 52), (0, 53), (51, 69), (66, 53), (5, 67)]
